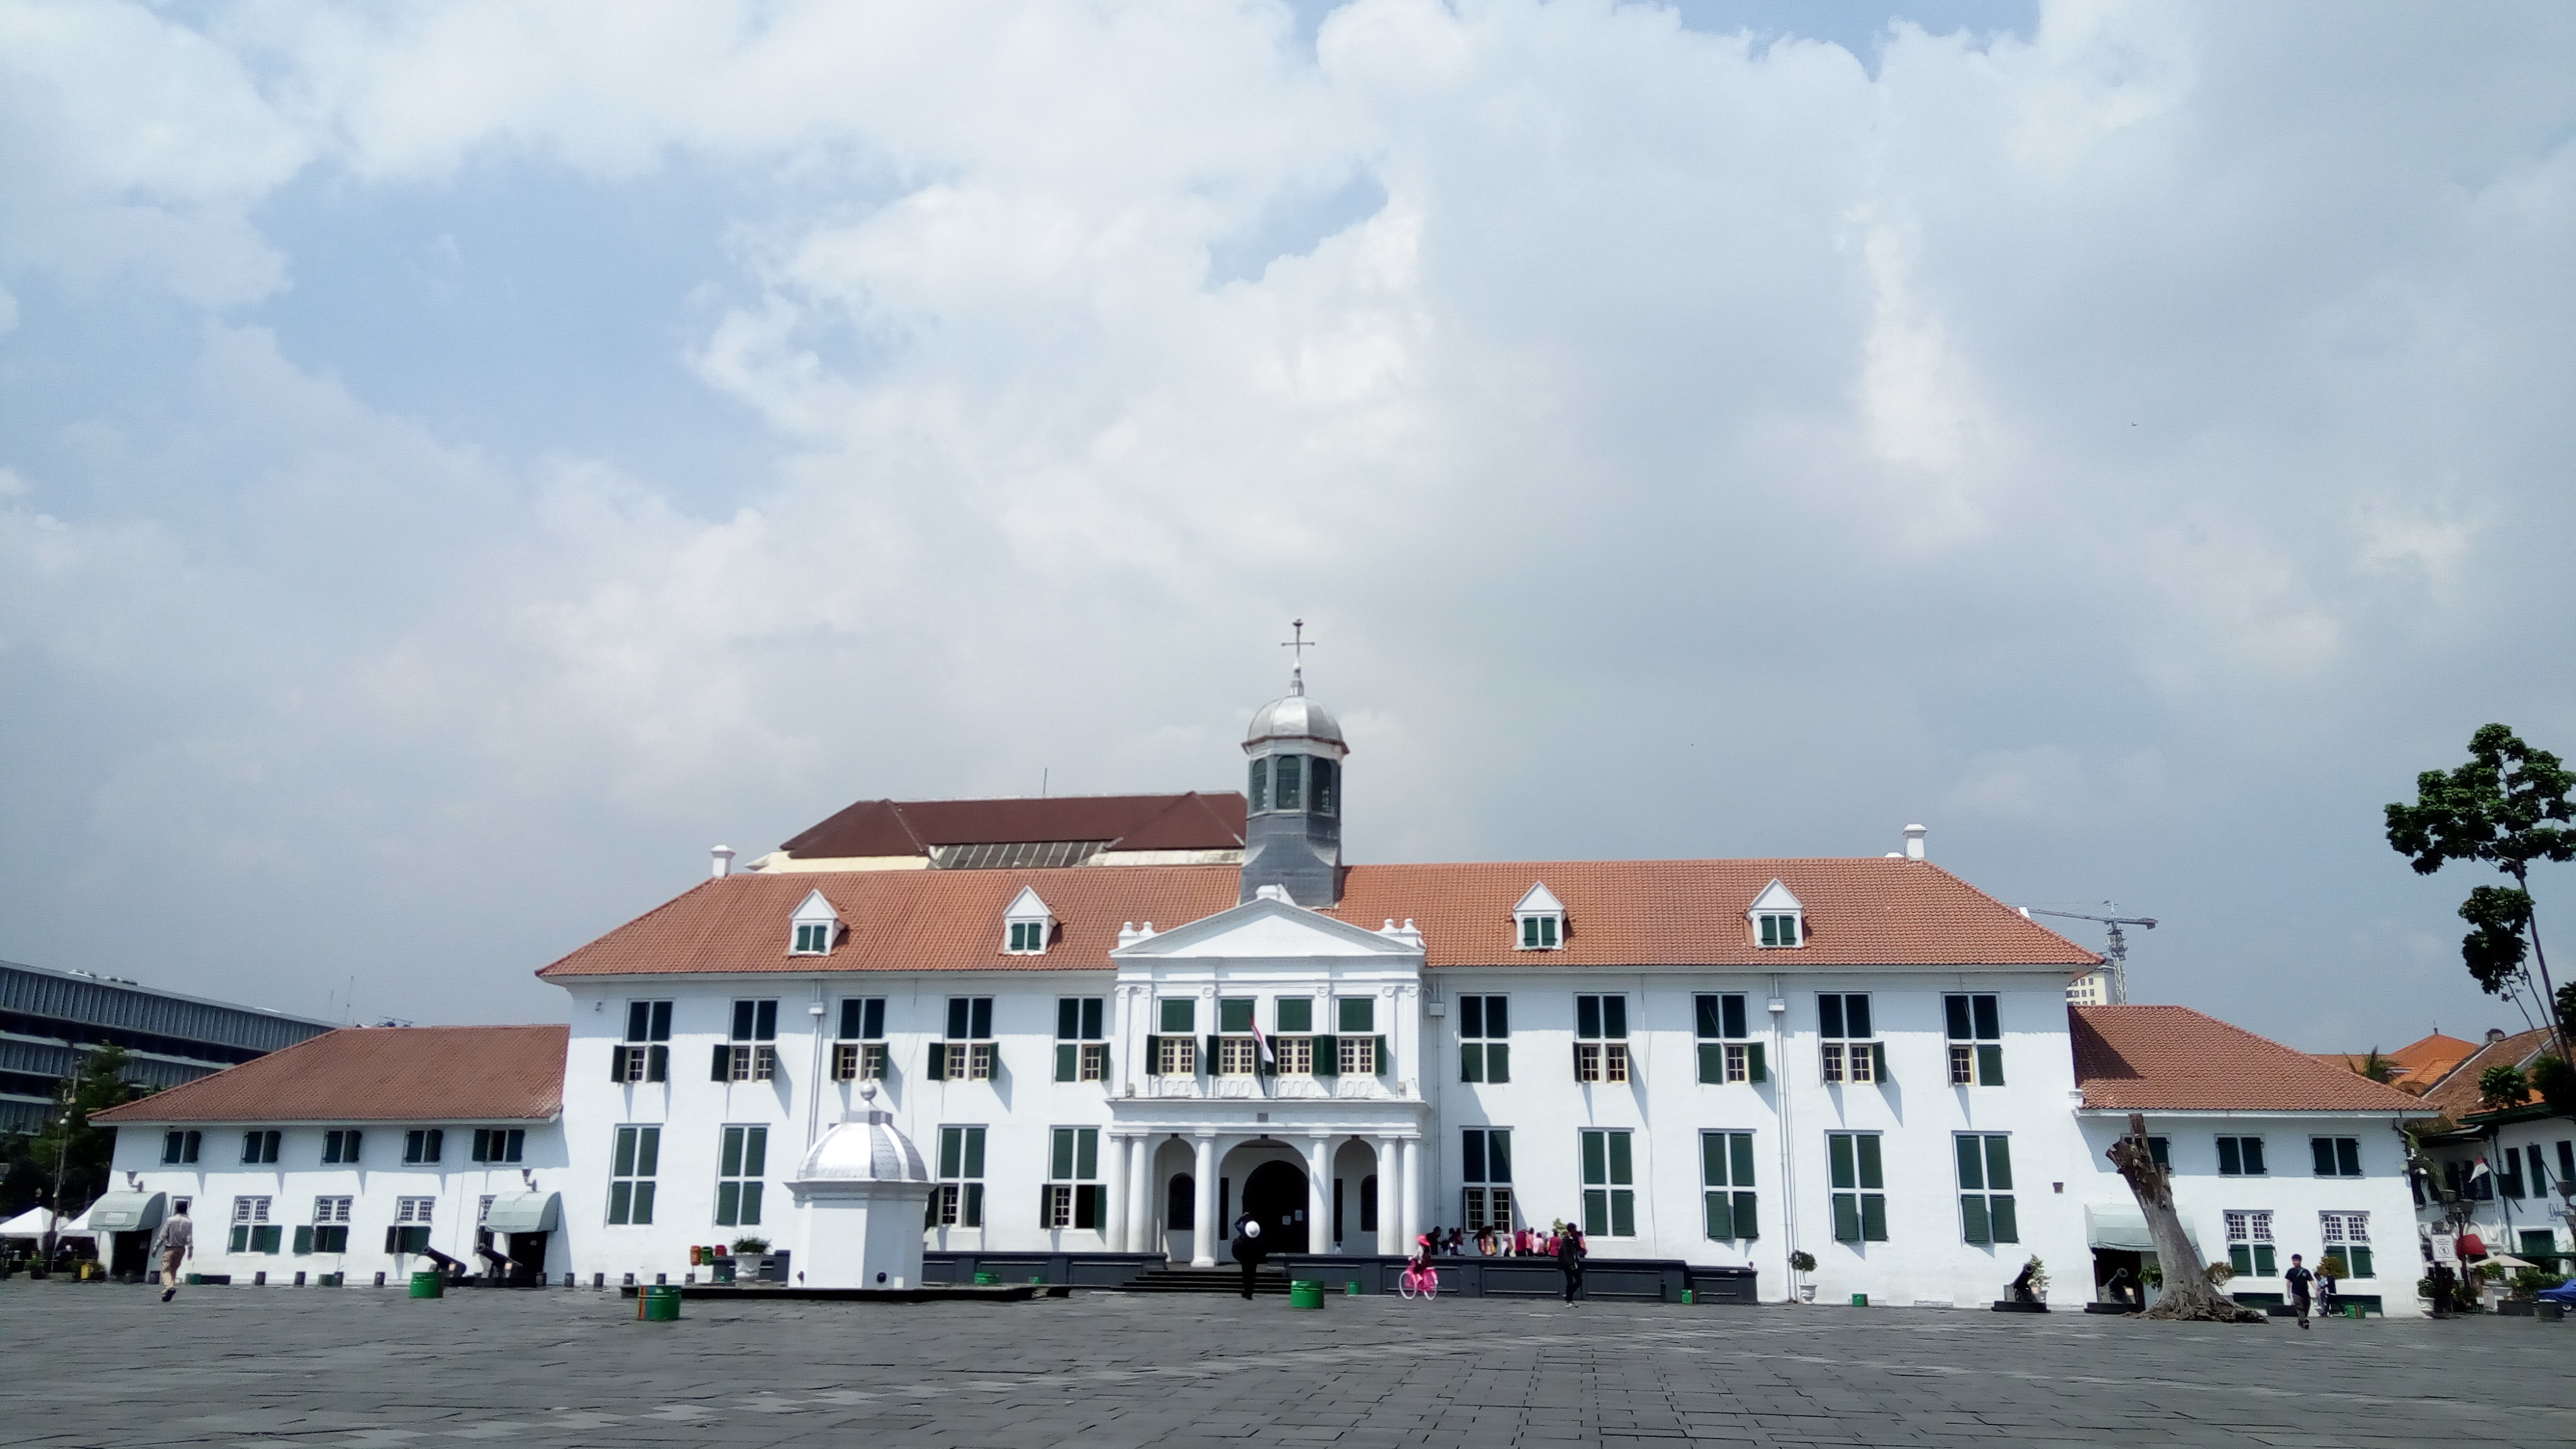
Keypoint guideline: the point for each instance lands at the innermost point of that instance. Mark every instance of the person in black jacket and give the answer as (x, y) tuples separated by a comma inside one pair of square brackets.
[(2298, 1279), (1569, 1258), (1249, 1249)]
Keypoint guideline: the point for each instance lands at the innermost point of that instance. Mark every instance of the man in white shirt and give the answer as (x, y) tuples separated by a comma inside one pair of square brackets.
[(175, 1245)]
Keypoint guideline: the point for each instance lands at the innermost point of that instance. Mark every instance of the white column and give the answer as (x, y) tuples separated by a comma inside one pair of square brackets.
[(1413, 1224), (1203, 1237), (1319, 1194), (1140, 1197), (1113, 1230), (1390, 1182)]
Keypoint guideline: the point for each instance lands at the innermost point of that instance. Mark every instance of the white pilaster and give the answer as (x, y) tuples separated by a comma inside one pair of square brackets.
[(1140, 1197), (1319, 1193), (1203, 1182), (1114, 1229), (1390, 1182)]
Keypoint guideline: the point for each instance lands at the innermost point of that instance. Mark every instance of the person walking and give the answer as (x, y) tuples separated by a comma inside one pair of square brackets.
[(2298, 1279), (1249, 1250), (2329, 1268), (176, 1243), (1569, 1260)]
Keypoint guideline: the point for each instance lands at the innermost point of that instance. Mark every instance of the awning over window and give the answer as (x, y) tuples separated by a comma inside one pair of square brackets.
[(525, 1212), (2125, 1230), (127, 1212)]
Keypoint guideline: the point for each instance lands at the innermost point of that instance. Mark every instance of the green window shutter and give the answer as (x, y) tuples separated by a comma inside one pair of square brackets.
[(271, 1238), (1990, 1066), (2240, 1256), (1846, 1217), (1754, 1067), (1358, 1015), (657, 1063), (2322, 1149), (1578, 1061), (972, 1214), (1060, 1162), (1328, 1056), (1385, 1059), (1746, 1227), (1471, 1062), (1596, 1158), (1046, 1205), (751, 1204), (1498, 1062), (2229, 1163), (951, 1150), (1720, 1216), (1596, 1212), (1878, 1059), (1234, 1014), (1973, 1226), (1087, 1211), (620, 1201), (1108, 1073), (1623, 1214), (1870, 1179), (1740, 1148), (2007, 1225), (1712, 1062), (303, 1241), (728, 1203), (1086, 1153), (723, 1063), (730, 1161), (1622, 1169), (975, 1152), (643, 1210), (2360, 1262), (2264, 1264), (1999, 1163), (1179, 1018), (1153, 1052), (1838, 1152), (616, 1073), (1873, 1218), (240, 1238), (936, 1068), (2348, 1158), (1067, 1061), (1972, 1165), (755, 1152), (1712, 1160), (1207, 1052)]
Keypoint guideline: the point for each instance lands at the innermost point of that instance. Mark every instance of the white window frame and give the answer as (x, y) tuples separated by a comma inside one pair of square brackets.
[(415, 1212), (1027, 925), (1538, 920), (814, 927), (1778, 921)]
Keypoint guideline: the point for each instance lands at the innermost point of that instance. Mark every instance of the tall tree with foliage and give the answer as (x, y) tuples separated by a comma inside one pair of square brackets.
[(69, 1145), (2508, 807)]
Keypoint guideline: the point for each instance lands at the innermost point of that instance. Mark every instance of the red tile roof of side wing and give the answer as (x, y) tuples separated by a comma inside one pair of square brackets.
[(379, 1074), (2456, 1094), (2172, 1058), (1618, 913)]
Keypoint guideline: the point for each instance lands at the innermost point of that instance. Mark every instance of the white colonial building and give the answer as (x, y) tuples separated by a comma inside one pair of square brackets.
[(1111, 1024)]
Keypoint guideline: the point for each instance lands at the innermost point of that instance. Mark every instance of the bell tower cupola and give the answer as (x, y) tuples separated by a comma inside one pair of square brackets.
[(1293, 834)]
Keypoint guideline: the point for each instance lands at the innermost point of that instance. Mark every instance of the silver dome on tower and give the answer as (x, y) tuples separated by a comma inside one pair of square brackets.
[(1293, 828)]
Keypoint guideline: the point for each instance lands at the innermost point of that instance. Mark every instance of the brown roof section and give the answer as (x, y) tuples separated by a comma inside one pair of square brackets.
[(1130, 822), (1864, 912), (2456, 1094), (379, 1074), (2174, 1059), (2416, 1065)]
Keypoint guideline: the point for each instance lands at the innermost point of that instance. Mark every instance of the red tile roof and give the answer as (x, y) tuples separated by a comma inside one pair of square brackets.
[(2415, 1066), (2172, 1058), (2456, 1094), (910, 827), (379, 1074), (1860, 912)]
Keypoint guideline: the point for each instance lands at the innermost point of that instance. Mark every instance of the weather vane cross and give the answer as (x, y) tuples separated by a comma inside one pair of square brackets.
[(1300, 643)]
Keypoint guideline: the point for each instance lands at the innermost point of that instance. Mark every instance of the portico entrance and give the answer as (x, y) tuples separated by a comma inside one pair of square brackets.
[(1275, 1195)]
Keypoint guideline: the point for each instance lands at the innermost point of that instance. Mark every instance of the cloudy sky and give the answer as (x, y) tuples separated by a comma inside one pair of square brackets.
[(462, 461)]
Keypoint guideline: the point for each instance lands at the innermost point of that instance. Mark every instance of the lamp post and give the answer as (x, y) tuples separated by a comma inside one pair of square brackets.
[(54, 1219)]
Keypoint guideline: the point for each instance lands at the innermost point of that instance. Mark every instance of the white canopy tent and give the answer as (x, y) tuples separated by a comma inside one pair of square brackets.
[(29, 1224)]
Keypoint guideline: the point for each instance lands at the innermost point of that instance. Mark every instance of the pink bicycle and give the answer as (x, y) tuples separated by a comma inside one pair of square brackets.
[(1418, 1280)]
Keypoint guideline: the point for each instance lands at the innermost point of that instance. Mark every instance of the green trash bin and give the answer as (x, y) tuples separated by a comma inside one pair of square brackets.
[(1306, 1293), (1351, 1289), (428, 1285), (659, 1304), (1860, 1300), (1690, 1297), (195, 1280), (332, 1280), (988, 1280)]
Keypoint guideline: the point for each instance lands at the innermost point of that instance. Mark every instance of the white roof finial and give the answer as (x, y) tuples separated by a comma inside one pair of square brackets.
[(1300, 643)]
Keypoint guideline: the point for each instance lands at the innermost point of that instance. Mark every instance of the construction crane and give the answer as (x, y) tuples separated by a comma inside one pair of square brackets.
[(2116, 950)]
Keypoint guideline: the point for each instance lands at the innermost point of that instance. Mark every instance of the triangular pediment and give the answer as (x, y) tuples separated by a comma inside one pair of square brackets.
[(1775, 897), (1026, 906), (1540, 901), (1266, 930), (814, 908)]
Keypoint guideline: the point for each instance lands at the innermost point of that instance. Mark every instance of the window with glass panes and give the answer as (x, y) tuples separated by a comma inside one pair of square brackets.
[(645, 1055), (751, 1052), (1778, 928), (262, 1146), (968, 1053), (340, 1145), (1485, 1167), (1362, 1051), (1726, 1186), (2346, 1236), (1028, 938), (859, 1046), (1484, 1044), (1539, 931), (1725, 1052), (742, 1161), (1976, 1027), (2241, 1157), (1173, 1051), (1081, 1039), (1073, 1196), (179, 1147), (330, 1230), (424, 1144), (500, 1144), (813, 938), (1849, 1050), (1609, 1184), (1858, 1187), (1601, 1038), (1985, 1188), (632, 1165), (2249, 1242), (410, 1230), (1293, 1035), (252, 1231), (2341, 1157), (958, 1200), (1237, 1054)]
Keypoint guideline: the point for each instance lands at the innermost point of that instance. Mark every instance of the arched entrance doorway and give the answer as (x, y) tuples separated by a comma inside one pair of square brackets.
[(1275, 1194)]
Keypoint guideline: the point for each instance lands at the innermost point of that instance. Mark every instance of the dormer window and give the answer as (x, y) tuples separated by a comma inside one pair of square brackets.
[(1541, 918), (1778, 919), (1026, 925), (816, 926)]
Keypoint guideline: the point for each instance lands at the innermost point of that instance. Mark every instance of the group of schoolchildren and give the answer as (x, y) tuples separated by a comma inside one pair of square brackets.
[(1562, 1241)]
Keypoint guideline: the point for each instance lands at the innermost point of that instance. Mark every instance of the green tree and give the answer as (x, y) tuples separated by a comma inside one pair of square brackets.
[(69, 1146), (2508, 807), (2378, 1068), (2501, 1087)]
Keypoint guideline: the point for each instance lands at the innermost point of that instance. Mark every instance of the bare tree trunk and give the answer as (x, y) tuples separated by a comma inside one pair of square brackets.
[(2188, 1293)]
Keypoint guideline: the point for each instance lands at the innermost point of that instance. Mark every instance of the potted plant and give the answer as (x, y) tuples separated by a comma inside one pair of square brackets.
[(750, 1256), (1803, 1263)]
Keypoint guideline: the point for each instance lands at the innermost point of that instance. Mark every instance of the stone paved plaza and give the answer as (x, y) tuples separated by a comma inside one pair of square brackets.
[(109, 1365)]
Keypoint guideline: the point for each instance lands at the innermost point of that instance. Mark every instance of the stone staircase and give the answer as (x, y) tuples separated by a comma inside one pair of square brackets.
[(1206, 1280)]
